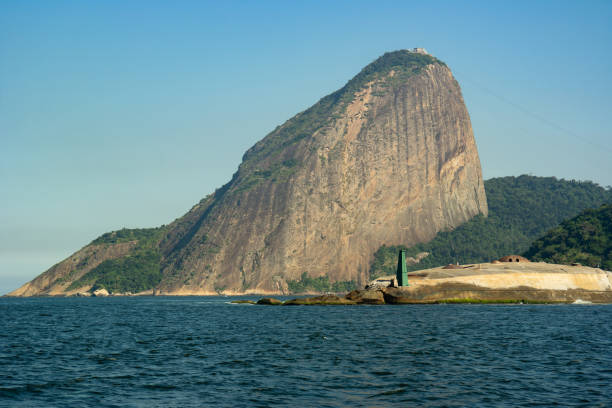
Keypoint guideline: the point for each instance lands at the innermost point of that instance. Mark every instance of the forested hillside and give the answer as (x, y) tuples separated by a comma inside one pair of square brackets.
[(521, 209), (138, 271), (586, 239)]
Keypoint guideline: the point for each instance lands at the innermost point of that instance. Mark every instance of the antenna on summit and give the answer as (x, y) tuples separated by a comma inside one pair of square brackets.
[(419, 51)]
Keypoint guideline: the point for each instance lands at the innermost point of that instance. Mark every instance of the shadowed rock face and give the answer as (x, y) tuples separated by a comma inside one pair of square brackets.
[(388, 159)]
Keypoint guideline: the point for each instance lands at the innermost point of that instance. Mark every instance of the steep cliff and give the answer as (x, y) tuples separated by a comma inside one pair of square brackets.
[(390, 158)]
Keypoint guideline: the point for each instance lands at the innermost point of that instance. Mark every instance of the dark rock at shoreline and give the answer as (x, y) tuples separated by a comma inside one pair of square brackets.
[(516, 282), (369, 297), (269, 301), (320, 300), (398, 296)]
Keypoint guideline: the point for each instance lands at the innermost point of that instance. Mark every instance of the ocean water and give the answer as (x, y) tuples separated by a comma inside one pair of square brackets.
[(202, 351)]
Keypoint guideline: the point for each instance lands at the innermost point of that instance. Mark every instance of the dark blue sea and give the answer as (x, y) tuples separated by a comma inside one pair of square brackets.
[(203, 351)]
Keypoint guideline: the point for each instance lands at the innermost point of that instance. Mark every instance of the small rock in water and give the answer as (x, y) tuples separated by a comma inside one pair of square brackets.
[(269, 301), (320, 300)]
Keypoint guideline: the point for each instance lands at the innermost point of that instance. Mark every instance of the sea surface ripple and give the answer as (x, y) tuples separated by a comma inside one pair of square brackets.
[(204, 351)]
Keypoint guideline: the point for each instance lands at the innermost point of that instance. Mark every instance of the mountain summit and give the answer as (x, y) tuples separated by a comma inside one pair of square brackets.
[(390, 158)]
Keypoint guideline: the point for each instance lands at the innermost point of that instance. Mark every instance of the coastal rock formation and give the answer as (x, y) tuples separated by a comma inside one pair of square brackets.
[(269, 301), (323, 300), (100, 292), (484, 283), (388, 159), (370, 297), (489, 282)]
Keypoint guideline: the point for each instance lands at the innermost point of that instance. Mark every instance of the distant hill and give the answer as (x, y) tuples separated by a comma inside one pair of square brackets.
[(521, 209), (586, 239)]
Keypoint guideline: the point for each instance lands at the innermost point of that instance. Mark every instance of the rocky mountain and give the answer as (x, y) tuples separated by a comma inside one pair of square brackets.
[(389, 158)]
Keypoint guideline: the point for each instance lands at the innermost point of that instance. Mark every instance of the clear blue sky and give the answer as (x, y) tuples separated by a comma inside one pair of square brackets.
[(124, 114)]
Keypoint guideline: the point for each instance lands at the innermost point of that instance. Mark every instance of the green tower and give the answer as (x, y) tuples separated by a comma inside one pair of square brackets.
[(402, 272)]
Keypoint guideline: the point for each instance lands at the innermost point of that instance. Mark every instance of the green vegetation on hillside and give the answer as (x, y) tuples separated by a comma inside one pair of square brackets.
[(301, 126), (136, 272), (127, 235), (586, 239), (521, 209), (276, 172), (320, 284), (403, 62)]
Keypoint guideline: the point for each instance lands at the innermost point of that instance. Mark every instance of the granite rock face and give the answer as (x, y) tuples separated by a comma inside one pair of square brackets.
[(388, 159)]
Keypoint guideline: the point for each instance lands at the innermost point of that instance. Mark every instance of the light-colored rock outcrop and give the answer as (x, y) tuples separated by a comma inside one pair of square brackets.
[(102, 292), (537, 275), (532, 281)]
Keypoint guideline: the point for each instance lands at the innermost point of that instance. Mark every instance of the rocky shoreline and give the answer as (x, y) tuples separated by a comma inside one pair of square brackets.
[(496, 282), (446, 294)]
